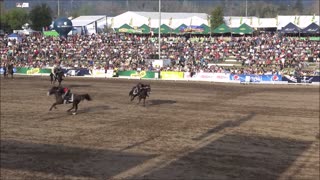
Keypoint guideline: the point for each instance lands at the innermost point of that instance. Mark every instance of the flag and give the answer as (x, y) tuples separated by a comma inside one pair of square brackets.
[(149, 22), (131, 22), (313, 18), (230, 20), (240, 20), (112, 22), (208, 19), (170, 21), (298, 20)]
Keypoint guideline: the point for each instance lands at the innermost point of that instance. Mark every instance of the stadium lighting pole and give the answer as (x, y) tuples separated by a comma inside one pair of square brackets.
[(58, 8), (246, 8), (159, 30)]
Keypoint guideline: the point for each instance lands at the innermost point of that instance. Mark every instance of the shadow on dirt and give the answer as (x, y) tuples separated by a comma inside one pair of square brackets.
[(225, 124), (235, 157), (78, 85), (94, 109), (155, 102), (62, 115), (139, 143), (66, 160)]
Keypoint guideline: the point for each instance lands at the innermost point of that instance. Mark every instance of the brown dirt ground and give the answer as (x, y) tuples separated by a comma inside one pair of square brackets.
[(188, 130)]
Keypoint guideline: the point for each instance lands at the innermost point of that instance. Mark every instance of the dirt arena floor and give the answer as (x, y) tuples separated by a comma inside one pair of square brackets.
[(188, 130)]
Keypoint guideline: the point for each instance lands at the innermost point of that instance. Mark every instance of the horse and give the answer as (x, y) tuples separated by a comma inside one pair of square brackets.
[(143, 93), (10, 70), (76, 98), (59, 77), (135, 90)]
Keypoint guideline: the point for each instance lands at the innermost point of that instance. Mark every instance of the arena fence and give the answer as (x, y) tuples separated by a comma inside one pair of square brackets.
[(176, 76)]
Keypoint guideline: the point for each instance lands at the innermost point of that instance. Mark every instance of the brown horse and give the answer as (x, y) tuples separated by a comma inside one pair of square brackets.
[(76, 98)]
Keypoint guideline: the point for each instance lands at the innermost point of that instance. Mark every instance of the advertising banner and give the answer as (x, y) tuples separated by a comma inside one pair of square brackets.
[(303, 79), (32, 71), (203, 76), (137, 74), (255, 78), (171, 75), (109, 73), (221, 77), (2, 70), (98, 73), (217, 77)]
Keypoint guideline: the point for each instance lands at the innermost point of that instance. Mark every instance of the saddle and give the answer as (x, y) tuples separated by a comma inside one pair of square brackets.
[(70, 99), (135, 91)]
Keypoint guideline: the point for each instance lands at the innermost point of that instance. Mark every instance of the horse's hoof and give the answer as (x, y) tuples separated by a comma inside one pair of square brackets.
[(74, 113)]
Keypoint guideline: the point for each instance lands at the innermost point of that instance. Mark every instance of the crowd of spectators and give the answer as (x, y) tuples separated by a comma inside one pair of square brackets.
[(259, 54)]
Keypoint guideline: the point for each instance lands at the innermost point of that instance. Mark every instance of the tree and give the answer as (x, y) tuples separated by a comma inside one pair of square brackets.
[(216, 18), (40, 16), (14, 19), (298, 6)]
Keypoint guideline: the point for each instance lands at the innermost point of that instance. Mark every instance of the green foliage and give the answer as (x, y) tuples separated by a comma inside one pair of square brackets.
[(216, 18), (85, 10), (40, 16), (14, 19), (298, 6)]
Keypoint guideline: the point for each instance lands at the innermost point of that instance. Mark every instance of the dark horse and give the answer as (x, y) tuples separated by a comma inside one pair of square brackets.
[(9, 71), (141, 93), (59, 77), (77, 98)]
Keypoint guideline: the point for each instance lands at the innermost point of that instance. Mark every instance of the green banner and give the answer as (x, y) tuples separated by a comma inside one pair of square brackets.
[(136, 74), (30, 71), (171, 75)]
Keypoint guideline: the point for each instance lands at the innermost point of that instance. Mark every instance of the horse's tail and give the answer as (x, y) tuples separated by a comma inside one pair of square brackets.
[(87, 97)]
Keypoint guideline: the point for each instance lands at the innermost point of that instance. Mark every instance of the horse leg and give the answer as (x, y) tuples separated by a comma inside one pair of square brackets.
[(144, 101), (71, 108), (53, 105), (139, 100), (76, 109)]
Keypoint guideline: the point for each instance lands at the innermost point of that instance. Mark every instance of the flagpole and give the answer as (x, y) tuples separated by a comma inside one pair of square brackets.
[(246, 9), (159, 30), (58, 8)]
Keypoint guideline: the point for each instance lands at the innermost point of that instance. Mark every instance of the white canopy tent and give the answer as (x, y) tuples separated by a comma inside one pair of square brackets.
[(92, 23)]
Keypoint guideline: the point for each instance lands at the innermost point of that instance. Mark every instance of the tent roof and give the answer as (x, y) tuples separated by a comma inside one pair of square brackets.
[(313, 28), (179, 28), (291, 28), (164, 29), (85, 20), (243, 29), (173, 15), (300, 21), (223, 28), (145, 29), (14, 35)]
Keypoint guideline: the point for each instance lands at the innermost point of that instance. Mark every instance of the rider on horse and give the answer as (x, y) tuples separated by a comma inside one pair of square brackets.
[(67, 95), (136, 89)]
